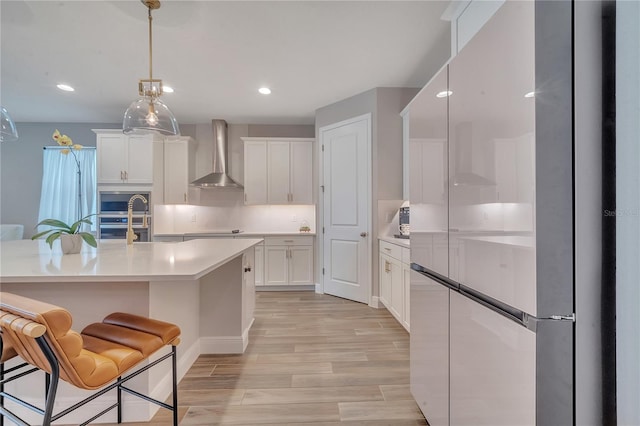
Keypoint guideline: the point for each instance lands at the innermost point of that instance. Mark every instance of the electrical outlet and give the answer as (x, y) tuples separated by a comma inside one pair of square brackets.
[(294, 218), (193, 218)]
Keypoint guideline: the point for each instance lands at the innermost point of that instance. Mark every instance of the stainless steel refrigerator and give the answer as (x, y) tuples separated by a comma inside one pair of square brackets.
[(491, 143)]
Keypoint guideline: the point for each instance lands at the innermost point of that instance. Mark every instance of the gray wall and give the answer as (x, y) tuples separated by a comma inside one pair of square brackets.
[(588, 216), (628, 209), (21, 167), (388, 164)]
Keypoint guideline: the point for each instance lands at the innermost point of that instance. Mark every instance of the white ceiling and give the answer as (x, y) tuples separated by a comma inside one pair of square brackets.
[(215, 54)]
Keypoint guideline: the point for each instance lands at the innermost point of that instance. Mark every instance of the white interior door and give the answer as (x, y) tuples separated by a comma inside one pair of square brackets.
[(346, 210)]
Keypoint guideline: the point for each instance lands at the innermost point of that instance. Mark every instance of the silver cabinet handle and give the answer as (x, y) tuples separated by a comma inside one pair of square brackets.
[(185, 197), (121, 175), (364, 234), (126, 175), (387, 249), (288, 241)]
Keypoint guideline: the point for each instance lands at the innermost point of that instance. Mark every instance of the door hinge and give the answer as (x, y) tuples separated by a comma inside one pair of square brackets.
[(323, 148), (322, 271), (323, 229), (322, 186)]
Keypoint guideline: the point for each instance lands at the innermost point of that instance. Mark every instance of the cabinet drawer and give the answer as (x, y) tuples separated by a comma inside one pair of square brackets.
[(391, 250), (288, 241)]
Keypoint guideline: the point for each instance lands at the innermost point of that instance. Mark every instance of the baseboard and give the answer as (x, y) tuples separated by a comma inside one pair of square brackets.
[(375, 302), (310, 287), (319, 288), (245, 336), (223, 344)]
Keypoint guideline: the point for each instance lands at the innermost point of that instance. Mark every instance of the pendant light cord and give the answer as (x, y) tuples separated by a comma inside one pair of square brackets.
[(150, 49)]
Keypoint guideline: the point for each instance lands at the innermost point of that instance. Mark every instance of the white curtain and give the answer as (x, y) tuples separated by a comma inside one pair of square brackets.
[(63, 197)]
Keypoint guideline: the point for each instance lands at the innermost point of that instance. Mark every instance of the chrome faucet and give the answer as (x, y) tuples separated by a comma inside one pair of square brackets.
[(130, 235)]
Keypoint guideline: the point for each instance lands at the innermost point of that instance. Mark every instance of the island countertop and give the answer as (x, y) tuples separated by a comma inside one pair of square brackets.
[(113, 260)]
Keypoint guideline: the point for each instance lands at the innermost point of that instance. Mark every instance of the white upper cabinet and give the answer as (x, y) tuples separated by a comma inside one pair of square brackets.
[(126, 159), (278, 171), (278, 168), (301, 167), (112, 157), (255, 172), (179, 169)]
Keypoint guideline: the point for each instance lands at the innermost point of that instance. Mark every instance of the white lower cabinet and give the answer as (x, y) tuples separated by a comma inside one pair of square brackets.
[(395, 280), (288, 261)]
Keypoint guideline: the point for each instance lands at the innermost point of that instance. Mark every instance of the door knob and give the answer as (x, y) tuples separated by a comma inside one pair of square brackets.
[(363, 234)]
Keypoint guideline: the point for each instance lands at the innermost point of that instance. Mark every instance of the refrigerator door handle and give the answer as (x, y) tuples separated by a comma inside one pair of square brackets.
[(571, 317), (531, 322)]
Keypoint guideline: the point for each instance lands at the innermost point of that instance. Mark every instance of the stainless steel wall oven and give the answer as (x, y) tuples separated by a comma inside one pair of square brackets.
[(112, 215)]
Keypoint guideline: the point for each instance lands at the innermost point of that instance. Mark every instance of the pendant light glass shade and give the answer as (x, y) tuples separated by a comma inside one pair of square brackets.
[(8, 132), (145, 116)]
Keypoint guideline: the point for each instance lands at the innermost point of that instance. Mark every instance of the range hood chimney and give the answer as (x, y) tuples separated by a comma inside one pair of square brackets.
[(219, 177)]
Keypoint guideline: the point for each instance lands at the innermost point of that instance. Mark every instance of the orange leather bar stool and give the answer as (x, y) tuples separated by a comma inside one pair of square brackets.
[(95, 359)]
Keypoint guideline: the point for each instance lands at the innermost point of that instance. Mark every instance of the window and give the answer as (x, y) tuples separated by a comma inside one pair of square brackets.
[(66, 194)]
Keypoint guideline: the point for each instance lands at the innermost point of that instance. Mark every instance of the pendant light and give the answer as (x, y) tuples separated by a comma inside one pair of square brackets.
[(8, 131), (149, 114)]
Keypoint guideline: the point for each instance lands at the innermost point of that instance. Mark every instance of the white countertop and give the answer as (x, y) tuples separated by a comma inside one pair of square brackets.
[(507, 240), (403, 242), (246, 234), (113, 260)]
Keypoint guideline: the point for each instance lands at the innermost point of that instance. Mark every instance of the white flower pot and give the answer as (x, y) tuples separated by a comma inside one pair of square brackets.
[(71, 243)]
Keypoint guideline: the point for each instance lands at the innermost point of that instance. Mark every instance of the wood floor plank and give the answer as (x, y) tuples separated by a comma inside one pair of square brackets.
[(283, 368), (348, 379), (261, 414), (311, 357), (376, 410), (309, 395)]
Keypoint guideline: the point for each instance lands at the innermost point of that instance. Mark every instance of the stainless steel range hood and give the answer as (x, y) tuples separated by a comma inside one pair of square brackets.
[(219, 177)]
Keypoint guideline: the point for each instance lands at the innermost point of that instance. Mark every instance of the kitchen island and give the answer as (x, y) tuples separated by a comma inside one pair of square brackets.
[(206, 287)]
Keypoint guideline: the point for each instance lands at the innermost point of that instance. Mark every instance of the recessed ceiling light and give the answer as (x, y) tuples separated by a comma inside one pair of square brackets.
[(167, 89), (65, 87), (530, 94), (444, 94), (264, 90)]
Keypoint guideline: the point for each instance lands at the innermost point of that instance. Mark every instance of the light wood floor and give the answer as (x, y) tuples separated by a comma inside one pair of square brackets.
[(313, 360)]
